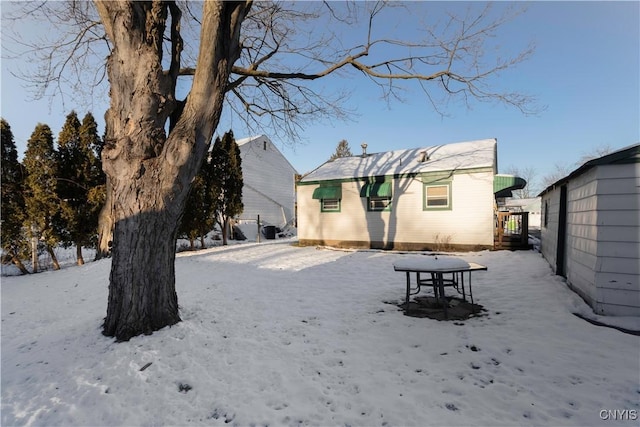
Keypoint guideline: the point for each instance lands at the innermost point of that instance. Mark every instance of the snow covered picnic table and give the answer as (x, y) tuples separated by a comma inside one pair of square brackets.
[(437, 267)]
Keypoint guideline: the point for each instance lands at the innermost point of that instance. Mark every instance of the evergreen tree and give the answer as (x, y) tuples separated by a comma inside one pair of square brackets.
[(342, 150), (92, 145), (41, 201), (14, 243), (80, 182), (227, 182), (89, 133), (68, 185), (208, 206), (198, 217), (190, 218)]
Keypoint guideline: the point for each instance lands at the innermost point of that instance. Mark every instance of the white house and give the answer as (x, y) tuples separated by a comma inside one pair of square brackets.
[(269, 182), (430, 198), (591, 231)]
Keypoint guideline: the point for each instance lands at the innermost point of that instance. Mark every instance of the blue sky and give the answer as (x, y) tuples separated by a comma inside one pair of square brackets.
[(586, 71)]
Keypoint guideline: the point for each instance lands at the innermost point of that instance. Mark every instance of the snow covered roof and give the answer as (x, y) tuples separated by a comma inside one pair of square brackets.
[(260, 142), (243, 141), (447, 157), (527, 201)]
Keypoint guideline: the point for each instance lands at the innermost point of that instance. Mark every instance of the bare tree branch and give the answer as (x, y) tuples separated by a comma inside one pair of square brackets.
[(529, 174), (70, 58), (287, 46), (452, 56)]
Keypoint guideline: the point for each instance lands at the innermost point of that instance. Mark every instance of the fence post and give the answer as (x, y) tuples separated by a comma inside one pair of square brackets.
[(258, 228), (525, 229)]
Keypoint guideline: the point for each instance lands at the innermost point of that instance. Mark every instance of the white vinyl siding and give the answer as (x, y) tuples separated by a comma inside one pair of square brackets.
[(269, 182), (581, 247), (618, 231), (602, 254), (470, 222)]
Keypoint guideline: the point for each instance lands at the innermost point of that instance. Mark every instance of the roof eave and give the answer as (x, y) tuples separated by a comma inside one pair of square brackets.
[(629, 154)]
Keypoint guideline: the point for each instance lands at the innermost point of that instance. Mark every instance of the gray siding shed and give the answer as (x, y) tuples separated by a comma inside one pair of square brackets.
[(591, 231)]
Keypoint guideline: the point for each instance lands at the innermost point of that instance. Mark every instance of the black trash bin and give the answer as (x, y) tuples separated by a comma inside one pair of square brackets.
[(270, 231)]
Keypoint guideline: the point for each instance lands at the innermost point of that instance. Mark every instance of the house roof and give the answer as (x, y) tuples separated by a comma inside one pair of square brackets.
[(243, 141), (257, 139), (446, 157), (522, 202), (630, 154), (530, 204)]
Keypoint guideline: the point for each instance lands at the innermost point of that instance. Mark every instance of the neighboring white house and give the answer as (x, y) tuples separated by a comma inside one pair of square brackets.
[(269, 182), (438, 197), (591, 231)]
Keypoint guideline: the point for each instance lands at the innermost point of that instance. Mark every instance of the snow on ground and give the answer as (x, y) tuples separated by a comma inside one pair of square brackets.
[(275, 334)]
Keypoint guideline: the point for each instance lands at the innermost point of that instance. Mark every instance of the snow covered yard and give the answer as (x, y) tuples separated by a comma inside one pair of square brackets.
[(275, 334)]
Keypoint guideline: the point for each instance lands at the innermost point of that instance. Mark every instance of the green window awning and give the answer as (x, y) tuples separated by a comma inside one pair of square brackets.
[(376, 189), (503, 185), (328, 192)]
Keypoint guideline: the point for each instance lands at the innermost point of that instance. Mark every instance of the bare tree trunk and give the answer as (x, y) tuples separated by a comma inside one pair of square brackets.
[(34, 253), (54, 258), (18, 263), (79, 257), (202, 245), (225, 230), (142, 296), (150, 173)]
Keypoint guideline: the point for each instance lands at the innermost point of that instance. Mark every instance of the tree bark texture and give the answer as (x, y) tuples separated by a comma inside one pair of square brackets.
[(149, 171), (225, 230), (54, 258), (105, 226)]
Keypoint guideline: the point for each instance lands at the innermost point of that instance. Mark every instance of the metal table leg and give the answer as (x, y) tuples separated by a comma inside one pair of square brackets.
[(438, 289), (473, 310), (443, 297), (406, 301)]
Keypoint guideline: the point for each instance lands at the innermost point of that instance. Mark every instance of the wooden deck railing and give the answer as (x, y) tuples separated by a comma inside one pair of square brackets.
[(512, 230)]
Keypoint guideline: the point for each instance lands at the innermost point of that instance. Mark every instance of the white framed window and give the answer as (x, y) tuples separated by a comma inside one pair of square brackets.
[(379, 203), (378, 193), (330, 205), (437, 196), (329, 194)]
